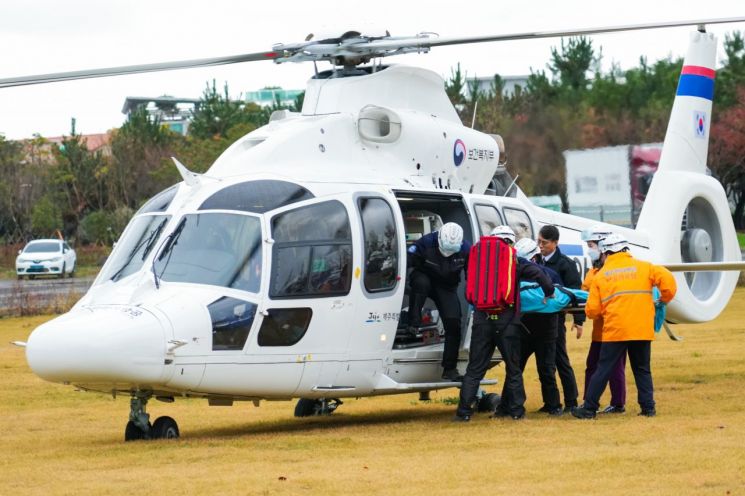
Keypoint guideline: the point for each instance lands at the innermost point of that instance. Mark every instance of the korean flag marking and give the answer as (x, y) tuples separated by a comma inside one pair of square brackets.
[(699, 123)]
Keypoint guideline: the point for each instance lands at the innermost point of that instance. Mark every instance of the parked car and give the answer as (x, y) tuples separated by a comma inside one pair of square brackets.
[(46, 257)]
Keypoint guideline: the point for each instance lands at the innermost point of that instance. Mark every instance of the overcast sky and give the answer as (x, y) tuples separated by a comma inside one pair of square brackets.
[(51, 35)]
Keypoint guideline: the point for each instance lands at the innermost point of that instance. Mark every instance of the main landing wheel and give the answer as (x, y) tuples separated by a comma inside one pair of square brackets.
[(133, 433), (307, 407), (489, 402), (164, 428)]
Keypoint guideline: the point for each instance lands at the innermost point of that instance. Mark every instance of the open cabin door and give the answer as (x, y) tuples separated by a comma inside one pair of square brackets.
[(417, 356)]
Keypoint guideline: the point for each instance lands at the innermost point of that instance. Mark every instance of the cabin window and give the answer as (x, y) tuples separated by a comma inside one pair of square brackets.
[(138, 240), (218, 249), (159, 202), (231, 323), (284, 326), (256, 196), (312, 252), (488, 218), (381, 244), (519, 221)]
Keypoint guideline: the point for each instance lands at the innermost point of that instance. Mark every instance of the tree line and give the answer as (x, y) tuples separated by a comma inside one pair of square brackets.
[(90, 195)]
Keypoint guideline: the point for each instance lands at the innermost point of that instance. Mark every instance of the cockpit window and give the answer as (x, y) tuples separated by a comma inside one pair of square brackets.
[(256, 196), (159, 202), (218, 249), (139, 239), (312, 252)]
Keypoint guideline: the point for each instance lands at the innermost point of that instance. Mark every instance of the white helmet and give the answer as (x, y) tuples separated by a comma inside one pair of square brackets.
[(505, 233), (596, 233), (450, 239), (527, 248), (613, 243)]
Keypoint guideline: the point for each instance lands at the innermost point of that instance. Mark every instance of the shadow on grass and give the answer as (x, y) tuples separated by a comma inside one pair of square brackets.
[(287, 425), (314, 425)]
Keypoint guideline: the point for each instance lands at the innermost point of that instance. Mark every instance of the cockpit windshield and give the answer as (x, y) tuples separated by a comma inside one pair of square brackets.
[(219, 249), (134, 247)]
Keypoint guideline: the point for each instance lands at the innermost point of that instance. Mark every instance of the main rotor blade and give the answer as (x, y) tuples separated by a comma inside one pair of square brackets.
[(136, 69), (427, 42)]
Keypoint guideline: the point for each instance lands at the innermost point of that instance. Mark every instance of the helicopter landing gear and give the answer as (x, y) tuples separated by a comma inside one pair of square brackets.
[(165, 428), (488, 402), (309, 407), (139, 426)]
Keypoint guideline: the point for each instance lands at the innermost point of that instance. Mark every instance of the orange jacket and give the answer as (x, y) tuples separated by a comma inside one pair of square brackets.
[(597, 324), (621, 293)]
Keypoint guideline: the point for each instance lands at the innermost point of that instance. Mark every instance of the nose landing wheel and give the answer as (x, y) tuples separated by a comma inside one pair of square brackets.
[(139, 427)]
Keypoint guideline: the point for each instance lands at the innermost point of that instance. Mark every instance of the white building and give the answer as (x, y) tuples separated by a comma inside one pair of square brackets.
[(609, 184)]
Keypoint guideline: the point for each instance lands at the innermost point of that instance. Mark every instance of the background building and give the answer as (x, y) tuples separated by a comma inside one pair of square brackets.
[(609, 184), (173, 112)]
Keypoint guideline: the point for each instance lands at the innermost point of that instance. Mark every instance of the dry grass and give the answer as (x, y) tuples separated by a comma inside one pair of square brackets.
[(56, 441)]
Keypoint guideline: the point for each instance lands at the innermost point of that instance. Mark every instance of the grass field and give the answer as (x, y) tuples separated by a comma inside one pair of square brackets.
[(57, 441)]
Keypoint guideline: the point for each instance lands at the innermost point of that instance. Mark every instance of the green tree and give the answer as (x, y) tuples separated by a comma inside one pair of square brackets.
[(46, 217), (215, 113), (570, 66), (455, 86), (80, 176), (732, 74), (12, 221), (140, 148)]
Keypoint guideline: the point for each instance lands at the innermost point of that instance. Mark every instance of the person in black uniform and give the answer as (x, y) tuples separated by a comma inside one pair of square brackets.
[(551, 256), (438, 259), (502, 331), (540, 334)]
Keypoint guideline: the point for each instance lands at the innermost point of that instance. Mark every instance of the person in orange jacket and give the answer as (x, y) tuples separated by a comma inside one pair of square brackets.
[(617, 381), (621, 294)]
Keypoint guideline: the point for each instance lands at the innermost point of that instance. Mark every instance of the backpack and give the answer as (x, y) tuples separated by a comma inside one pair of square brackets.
[(491, 280)]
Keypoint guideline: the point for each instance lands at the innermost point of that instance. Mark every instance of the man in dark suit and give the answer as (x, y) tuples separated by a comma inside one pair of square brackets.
[(551, 256)]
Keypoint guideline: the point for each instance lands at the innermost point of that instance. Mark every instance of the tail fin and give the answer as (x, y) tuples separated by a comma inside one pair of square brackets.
[(687, 139), (686, 215)]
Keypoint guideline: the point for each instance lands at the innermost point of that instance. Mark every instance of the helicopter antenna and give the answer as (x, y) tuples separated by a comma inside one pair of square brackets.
[(189, 177), (473, 119), (514, 181)]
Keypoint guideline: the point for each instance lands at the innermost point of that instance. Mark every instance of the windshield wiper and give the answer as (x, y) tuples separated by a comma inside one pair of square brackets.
[(168, 244), (147, 243)]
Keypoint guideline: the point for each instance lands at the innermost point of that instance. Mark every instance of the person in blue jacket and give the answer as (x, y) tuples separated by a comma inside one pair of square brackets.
[(438, 260), (540, 334), (500, 331)]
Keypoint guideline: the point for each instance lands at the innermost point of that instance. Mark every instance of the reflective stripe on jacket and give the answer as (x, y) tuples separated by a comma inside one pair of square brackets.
[(597, 324), (621, 294)]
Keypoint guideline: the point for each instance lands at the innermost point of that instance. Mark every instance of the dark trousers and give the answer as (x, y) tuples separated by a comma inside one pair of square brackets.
[(446, 300), (564, 368), (617, 379), (610, 353), (540, 338), (485, 336)]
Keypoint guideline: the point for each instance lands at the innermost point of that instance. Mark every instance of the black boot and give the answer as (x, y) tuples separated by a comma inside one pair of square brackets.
[(452, 375)]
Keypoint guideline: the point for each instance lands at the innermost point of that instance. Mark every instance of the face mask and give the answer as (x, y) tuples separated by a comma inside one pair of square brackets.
[(447, 253), (594, 254), (448, 248)]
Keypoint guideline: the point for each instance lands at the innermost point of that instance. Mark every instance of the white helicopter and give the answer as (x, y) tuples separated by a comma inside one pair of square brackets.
[(281, 272)]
